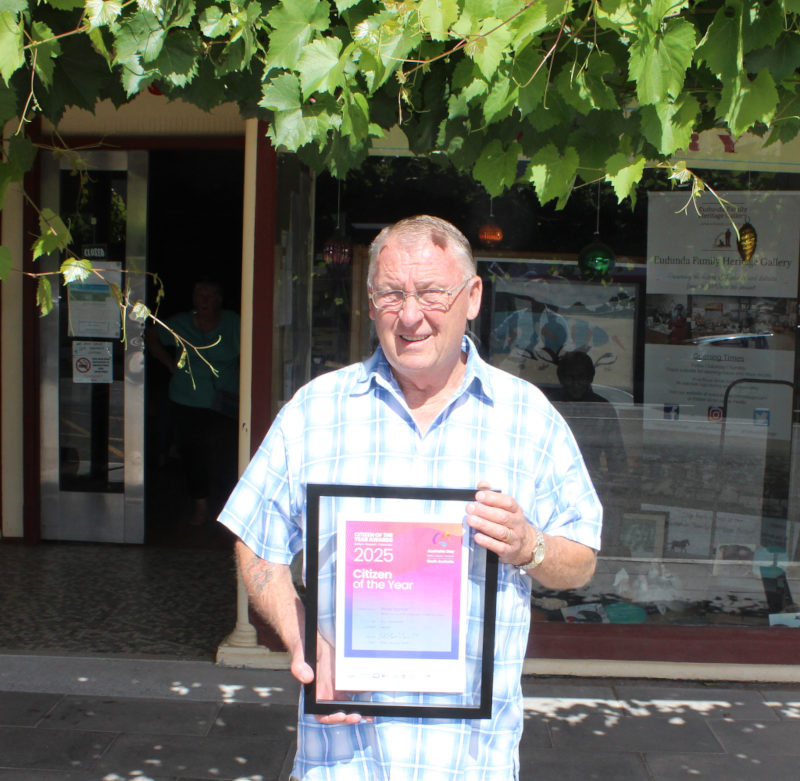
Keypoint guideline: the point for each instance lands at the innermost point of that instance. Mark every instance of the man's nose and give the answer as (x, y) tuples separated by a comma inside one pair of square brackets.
[(410, 310)]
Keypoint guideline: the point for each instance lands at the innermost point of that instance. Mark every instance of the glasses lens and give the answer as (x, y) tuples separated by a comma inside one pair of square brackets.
[(432, 299), (388, 299)]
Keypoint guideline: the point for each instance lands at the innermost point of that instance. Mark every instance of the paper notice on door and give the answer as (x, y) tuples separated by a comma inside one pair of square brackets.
[(92, 362)]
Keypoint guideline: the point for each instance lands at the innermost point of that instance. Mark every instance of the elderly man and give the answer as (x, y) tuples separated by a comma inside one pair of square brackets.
[(439, 417)]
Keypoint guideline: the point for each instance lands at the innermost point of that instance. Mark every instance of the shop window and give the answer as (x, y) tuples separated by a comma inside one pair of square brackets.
[(677, 378)]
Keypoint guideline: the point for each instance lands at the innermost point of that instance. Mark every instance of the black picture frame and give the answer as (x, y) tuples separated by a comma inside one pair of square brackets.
[(481, 706)]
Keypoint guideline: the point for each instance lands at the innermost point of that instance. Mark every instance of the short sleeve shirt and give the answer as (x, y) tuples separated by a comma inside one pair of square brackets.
[(353, 426), (194, 385)]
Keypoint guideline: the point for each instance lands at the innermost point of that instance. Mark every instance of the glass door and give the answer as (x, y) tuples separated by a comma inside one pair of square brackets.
[(92, 364)]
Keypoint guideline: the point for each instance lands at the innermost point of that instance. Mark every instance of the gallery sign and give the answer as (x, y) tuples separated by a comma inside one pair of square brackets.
[(692, 245), (720, 322)]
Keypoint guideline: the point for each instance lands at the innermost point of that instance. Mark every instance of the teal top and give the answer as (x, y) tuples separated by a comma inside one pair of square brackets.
[(224, 357)]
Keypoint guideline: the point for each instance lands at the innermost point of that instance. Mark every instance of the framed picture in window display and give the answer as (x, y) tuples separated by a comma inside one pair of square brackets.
[(534, 319), (642, 534), (689, 531), (733, 556)]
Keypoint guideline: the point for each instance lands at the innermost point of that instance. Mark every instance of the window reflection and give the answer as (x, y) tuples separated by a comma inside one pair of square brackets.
[(692, 457)]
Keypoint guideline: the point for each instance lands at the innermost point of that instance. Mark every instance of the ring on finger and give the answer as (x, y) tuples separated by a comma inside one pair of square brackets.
[(507, 538)]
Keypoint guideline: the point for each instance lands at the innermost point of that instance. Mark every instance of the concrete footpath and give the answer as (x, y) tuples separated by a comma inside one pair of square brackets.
[(109, 719)]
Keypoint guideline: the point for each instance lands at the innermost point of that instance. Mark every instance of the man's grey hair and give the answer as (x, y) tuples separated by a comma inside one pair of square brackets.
[(413, 233)]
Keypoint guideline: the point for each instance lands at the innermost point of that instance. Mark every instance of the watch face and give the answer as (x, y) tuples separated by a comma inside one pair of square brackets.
[(538, 554)]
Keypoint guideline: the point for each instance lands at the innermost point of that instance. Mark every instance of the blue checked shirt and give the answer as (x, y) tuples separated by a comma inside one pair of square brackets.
[(353, 426)]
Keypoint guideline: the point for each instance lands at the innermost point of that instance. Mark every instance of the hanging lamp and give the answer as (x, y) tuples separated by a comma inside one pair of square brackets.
[(596, 261), (490, 234)]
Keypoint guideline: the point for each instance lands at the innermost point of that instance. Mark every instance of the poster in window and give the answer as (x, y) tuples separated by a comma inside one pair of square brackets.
[(536, 320)]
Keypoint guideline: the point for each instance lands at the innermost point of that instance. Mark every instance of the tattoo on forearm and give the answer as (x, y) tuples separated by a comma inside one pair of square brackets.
[(259, 575)]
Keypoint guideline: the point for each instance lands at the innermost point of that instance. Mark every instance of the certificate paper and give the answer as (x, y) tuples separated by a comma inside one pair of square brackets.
[(401, 602)]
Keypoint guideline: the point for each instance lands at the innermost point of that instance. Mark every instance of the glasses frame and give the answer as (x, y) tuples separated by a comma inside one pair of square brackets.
[(452, 293)]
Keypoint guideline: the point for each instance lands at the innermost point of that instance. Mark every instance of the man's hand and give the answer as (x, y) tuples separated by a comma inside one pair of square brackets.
[(500, 526), (273, 595), (326, 687)]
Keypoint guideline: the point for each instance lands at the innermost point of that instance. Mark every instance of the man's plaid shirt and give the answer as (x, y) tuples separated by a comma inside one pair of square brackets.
[(352, 426)]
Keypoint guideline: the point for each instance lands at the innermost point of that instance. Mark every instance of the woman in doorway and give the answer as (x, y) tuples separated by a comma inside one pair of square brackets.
[(204, 405)]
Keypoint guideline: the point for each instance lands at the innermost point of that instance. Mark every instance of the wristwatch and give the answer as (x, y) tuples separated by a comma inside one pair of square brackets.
[(538, 553)]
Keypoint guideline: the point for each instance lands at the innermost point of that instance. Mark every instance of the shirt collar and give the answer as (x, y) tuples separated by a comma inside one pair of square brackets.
[(376, 371)]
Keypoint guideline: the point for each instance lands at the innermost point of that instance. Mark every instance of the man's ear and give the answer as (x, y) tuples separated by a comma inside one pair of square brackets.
[(475, 289)]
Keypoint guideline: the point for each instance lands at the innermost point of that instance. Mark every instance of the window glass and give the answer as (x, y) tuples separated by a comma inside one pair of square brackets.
[(91, 364)]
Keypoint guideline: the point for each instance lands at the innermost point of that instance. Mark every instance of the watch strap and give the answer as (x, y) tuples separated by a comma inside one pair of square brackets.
[(537, 556)]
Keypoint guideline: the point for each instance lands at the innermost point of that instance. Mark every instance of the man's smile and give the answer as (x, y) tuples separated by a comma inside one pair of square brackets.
[(407, 338)]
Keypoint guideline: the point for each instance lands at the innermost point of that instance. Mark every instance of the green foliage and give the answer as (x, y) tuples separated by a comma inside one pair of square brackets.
[(549, 93), (8, 104), (140, 312), (660, 58), (44, 296), (21, 154), (101, 13), (54, 234), (294, 25), (75, 270), (12, 40), (549, 170), (496, 165), (624, 172)]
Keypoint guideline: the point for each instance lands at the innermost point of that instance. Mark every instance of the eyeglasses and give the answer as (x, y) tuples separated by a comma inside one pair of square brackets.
[(431, 298)]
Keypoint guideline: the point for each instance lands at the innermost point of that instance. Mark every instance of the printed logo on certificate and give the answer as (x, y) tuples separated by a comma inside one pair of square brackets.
[(400, 603)]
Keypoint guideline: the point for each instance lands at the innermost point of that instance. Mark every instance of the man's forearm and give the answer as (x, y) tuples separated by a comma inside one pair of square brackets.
[(273, 595), (567, 564)]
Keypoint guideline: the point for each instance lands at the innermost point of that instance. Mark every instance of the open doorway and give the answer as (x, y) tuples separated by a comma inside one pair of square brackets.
[(194, 233)]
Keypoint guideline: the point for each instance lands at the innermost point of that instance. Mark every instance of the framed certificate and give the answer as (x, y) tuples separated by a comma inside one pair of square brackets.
[(400, 604)]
